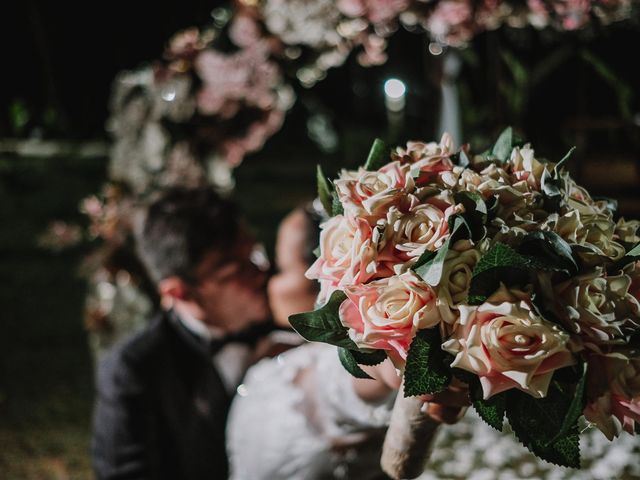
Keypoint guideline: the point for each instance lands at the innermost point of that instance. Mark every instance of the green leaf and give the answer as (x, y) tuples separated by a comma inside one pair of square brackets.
[(430, 264), (550, 249), (374, 357), (576, 407), (425, 370), (537, 421), (541, 306), (472, 201), (350, 364), (500, 264), (378, 156), (551, 191), (461, 159), (634, 252), (492, 207), (336, 207), (424, 260), (500, 255), (323, 325), (504, 145), (492, 410), (324, 191), (552, 184), (476, 213), (431, 270), (459, 228)]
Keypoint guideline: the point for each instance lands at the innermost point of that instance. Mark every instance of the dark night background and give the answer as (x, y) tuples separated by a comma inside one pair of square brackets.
[(58, 60)]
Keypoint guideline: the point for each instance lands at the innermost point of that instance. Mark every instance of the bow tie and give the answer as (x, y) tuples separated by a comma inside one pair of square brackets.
[(217, 344), (248, 336)]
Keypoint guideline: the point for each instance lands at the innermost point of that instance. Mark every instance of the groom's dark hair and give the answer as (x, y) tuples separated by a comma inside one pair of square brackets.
[(180, 227)]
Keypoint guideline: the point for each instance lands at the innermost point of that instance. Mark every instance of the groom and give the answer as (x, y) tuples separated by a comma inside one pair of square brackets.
[(163, 396)]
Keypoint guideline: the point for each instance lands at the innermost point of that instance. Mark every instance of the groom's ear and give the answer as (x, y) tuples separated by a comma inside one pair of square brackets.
[(171, 289)]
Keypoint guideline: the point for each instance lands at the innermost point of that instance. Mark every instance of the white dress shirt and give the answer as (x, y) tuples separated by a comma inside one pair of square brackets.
[(231, 361)]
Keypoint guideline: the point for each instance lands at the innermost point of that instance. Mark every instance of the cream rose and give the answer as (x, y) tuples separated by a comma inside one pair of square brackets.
[(423, 228), (598, 307), (454, 284), (574, 191), (517, 200), (586, 225), (627, 231), (368, 194), (431, 152), (385, 314), (348, 255), (633, 270), (508, 346), (525, 167)]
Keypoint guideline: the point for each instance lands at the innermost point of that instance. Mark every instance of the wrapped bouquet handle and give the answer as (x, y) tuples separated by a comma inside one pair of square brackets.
[(409, 439)]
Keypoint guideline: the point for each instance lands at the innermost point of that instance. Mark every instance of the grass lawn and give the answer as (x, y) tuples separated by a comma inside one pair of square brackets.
[(45, 367)]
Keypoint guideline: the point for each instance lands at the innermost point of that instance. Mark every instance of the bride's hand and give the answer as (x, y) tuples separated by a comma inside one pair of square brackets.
[(447, 406)]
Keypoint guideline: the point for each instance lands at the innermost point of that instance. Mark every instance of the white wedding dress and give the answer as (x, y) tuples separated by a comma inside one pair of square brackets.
[(297, 417)]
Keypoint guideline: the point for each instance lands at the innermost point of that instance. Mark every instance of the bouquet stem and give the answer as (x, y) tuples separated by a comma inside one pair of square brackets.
[(409, 439)]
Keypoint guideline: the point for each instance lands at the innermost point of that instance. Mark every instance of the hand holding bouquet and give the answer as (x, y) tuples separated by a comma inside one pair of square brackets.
[(494, 269)]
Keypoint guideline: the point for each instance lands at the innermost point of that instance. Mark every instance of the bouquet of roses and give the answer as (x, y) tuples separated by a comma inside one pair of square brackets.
[(496, 269)]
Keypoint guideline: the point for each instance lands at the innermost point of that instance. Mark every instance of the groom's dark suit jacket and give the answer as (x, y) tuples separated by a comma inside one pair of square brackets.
[(161, 408)]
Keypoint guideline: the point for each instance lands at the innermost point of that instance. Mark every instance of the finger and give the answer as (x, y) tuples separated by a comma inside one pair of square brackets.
[(448, 399), (459, 387), (448, 415), (457, 383)]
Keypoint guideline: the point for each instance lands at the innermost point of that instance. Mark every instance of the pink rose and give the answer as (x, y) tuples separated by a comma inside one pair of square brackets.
[(452, 21), (349, 255), (370, 194), (230, 82), (428, 160), (386, 313), (573, 13), (613, 413), (618, 408), (186, 44), (376, 11), (508, 346), (244, 31)]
